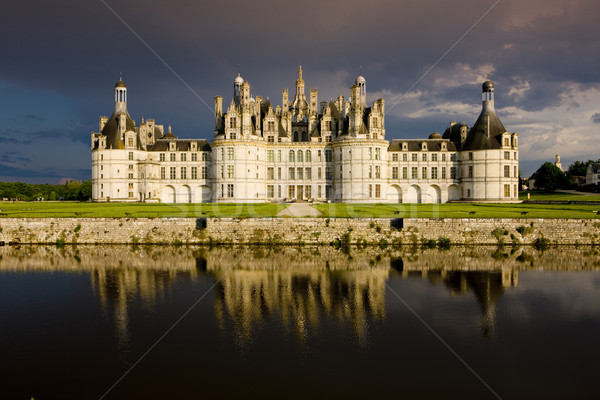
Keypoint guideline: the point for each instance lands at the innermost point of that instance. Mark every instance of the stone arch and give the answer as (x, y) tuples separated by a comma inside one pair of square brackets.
[(168, 194), (203, 194), (185, 195), (413, 194), (435, 194), (453, 192), (394, 194)]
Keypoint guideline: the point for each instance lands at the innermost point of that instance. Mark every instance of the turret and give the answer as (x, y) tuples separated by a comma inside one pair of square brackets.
[(487, 97), (361, 82), (120, 97), (237, 89)]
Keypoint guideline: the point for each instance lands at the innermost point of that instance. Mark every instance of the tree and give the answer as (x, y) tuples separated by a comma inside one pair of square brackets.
[(549, 177), (578, 168)]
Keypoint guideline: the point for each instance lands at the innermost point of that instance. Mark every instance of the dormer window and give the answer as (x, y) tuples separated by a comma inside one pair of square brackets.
[(444, 147), (424, 146), (232, 123), (194, 146), (404, 146), (172, 146)]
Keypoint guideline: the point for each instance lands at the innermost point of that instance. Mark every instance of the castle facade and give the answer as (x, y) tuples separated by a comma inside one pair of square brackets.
[(302, 150)]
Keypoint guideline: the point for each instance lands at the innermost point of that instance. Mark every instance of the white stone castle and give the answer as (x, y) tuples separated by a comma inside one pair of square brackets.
[(302, 150)]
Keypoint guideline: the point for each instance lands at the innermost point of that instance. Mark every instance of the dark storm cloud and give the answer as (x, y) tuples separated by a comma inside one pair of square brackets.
[(596, 118)]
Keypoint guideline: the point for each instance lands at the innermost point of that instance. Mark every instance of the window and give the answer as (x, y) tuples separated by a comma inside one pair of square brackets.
[(291, 173), (404, 157), (506, 190), (278, 190), (327, 125), (130, 176), (434, 157), (183, 157), (506, 142), (443, 172), (434, 173), (424, 157), (370, 190), (279, 155), (404, 172), (204, 156), (230, 153), (328, 156), (130, 142), (230, 190), (204, 174), (130, 194), (270, 173), (319, 175), (516, 175), (328, 173), (394, 172), (507, 155), (271, 139), (470, 156), (230, 171), (172, 172), (162, 173), (308, 174), (270, 191), (378, 153), (194, 156), (453, 157), (291, 191), (300, 173), (307, 191), (377, 172), (270, 155), (452, 172), (232, 123), (424, 173), (319, 191), (131, 156), (130, 167), (308, 156), (299, 157), (319, 155), (414, 156), (470, 172), (194, 172), (102, 157), (292, 156), (370, 153), (377, 190), (444, 157), (279, 173), (394, 156), (222, 172), (515, 155), (507, 171), (370, 171), (172, 156), (271, 126), (183, 173), (413, 173)]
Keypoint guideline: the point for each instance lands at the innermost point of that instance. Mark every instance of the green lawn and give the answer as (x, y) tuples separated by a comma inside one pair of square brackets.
[(133, 210), (537, 195), (333, 210)]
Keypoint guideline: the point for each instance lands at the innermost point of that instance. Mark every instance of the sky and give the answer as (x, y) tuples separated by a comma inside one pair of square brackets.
[(426, 58)]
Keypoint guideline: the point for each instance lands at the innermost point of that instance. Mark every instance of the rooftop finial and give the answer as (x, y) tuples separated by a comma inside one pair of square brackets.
[(169, 128), (300, 72)]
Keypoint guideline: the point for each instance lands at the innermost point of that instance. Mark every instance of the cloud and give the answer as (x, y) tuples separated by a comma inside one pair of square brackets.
[(34, 117), (596, 118)]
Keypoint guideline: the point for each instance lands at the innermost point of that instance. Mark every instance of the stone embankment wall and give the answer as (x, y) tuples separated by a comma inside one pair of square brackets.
[(381, 231)]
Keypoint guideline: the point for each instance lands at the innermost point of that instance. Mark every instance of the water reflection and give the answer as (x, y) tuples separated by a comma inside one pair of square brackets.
[(300, 288)]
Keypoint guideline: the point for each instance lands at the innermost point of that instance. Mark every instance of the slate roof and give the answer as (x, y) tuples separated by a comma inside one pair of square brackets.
[(180, 144), (415, 144), (111, 131), (479, 138)]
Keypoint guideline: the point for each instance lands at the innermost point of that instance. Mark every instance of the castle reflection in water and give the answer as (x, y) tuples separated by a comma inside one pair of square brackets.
[(300, 286)]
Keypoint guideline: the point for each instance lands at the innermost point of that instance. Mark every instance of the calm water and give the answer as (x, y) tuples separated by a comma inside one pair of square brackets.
[(298, 323)]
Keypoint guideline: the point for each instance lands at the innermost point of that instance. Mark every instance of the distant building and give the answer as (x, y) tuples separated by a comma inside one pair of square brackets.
[(302, 150), (558, 163), (592, 177)]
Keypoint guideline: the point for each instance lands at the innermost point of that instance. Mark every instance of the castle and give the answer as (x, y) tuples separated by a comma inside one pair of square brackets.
[(302, 150)]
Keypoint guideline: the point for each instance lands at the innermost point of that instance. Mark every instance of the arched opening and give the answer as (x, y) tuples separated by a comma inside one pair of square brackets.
[(394, 194), (435, 194), (295, 136), (304, 137), (413, 194), (168, 195), (203, 194), (185, 195), (453, 192)]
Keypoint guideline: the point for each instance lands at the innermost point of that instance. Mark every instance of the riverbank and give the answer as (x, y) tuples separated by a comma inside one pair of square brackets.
[(301, 231)]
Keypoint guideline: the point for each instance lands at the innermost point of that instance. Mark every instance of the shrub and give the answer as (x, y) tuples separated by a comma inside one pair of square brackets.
[(443, 243), (428, 243), (541, 243), (77, 228)]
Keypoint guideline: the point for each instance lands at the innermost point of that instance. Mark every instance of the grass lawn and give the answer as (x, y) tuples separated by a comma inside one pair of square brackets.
[(333, 210), (133, 210), (538, 195)]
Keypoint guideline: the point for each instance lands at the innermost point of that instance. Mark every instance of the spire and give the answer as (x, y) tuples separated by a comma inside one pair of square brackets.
[(300, 73)]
